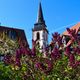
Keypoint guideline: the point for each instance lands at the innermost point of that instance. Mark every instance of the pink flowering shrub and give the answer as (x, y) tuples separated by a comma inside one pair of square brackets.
[(60, 63)]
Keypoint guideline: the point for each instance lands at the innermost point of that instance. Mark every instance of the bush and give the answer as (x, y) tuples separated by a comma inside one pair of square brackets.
[(59, 62)]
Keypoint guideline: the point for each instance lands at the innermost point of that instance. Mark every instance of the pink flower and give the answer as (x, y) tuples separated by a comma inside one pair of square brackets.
[(7, 59), (57, 38), (33, 51), (67, 51), (71, 60), (18, 63), (77, 63), (55, 54)]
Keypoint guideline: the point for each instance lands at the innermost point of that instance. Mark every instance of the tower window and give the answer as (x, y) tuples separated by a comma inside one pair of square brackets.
[(38, 35)]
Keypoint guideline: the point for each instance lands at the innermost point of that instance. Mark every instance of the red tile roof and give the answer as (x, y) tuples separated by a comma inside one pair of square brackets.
[(77, 26)]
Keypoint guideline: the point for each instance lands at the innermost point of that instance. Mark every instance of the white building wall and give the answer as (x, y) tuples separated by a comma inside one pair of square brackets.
[(43, 37)]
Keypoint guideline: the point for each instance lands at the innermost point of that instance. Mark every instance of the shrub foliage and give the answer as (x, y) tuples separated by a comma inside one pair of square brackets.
[(55, 62)]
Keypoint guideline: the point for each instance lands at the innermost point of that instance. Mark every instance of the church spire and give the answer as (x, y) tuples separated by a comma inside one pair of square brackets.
[(40, 24), (40, 14), (40, 32)]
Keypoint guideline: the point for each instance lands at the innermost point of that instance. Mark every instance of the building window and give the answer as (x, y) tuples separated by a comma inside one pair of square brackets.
[(12, 34), (38, 36)]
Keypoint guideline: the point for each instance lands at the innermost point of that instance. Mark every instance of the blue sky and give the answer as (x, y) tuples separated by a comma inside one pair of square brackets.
[(58, 14)]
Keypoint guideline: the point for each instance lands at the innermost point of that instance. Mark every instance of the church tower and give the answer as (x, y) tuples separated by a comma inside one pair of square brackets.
[(40, 32)]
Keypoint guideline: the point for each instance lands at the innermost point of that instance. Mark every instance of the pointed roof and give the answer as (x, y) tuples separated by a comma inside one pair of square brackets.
[(40, 24), (40, 17), (77, 26)]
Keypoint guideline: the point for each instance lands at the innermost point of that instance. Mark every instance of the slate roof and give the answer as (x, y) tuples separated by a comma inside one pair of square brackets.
[(39, 26)]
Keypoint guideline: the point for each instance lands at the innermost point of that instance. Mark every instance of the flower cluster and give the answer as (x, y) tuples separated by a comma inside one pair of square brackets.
[(72, 34), (59, 63), (55, 54), (45, 66), (57, 39)]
